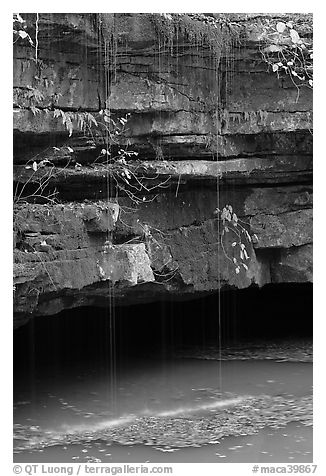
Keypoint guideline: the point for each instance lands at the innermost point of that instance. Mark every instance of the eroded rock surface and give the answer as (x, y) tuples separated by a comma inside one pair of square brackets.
[(212, 125)]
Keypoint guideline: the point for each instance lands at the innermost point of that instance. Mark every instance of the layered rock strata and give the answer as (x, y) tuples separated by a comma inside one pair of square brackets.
[(200, 122)]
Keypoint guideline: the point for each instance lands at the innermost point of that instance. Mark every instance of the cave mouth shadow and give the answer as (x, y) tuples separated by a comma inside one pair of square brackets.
[(88, 334)]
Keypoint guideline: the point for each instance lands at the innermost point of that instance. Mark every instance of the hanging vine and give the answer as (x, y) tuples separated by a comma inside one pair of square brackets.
[(233, 225)]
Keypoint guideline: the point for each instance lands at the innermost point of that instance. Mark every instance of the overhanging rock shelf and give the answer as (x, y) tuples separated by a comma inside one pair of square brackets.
[(202, 120)]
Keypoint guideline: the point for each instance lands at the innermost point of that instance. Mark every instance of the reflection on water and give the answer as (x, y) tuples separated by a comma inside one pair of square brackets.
[(169, 410)]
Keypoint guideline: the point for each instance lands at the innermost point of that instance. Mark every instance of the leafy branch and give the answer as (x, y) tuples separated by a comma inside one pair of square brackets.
[(44, 171), (232, 224), (19, 29), (289, 54), (82, 120)]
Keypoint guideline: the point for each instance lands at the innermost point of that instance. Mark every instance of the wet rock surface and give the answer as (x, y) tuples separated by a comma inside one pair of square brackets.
[(169, 245), (211, 125)]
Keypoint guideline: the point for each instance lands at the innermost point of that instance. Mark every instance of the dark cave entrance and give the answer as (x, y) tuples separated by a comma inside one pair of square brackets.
[(157, 329)]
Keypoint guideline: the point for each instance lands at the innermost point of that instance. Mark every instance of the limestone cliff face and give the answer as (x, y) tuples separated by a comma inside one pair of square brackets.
[(208, 124)]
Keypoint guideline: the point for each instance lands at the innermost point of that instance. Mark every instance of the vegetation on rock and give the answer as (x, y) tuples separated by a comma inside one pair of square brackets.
[(287, 53)]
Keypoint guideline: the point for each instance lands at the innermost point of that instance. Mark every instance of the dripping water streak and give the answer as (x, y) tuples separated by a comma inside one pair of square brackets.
[(216, 59), (36, 37)]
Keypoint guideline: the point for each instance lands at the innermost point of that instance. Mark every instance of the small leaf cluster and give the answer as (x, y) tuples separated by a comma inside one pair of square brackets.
[(288, 53), (112, 128), (19, 29), (38, 165), (82, 120), (232, 224)]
